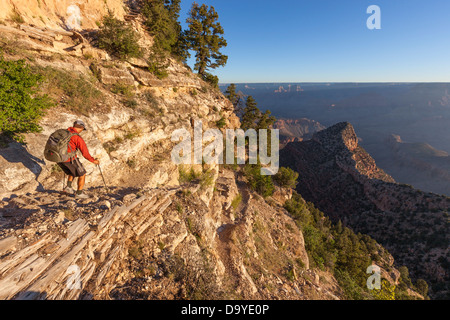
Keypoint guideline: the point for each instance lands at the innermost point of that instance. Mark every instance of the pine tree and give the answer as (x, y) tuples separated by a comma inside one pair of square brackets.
[(231, 95), (119, 39), (181, 47), (204, 38), (253, 118), (161, 19), (265, 121), (339, 227), (250, 115), (235, 98), (174, 7)]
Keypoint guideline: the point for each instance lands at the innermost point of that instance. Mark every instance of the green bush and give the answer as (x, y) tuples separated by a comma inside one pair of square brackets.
[(188, 176), (387, 291), (21, 103), (221, 123), (286, 178), (422, 287), (123, 89), (347, 255), (79, 93), (207, 179), (118, 39), (296, 206), (156, 67), (236, 201), (211, 79), (16, 17), (130, 103), (258, 182), (351, 289)]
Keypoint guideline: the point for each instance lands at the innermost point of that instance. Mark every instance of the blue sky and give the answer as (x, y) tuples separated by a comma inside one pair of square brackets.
[(328, 40)]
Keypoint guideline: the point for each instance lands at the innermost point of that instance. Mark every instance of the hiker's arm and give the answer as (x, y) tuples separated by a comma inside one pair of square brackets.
[(84, 150)]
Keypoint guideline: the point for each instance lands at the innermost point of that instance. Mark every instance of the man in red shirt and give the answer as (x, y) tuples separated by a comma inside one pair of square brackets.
[(73, 167)]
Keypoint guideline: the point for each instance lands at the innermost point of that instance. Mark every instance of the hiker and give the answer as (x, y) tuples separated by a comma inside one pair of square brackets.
[(73, 167)]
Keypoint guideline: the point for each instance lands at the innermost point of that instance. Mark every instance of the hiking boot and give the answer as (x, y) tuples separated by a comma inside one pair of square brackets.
[(68, 190), (81, 196)]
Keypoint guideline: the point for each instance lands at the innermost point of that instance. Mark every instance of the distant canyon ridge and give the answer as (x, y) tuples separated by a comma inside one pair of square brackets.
[(405, 127), (343, 180)]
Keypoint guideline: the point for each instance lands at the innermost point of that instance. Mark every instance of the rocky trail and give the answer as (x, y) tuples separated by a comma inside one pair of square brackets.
[(49, 239), (160, 243), (225, 246), (152, 238), (29, 209)]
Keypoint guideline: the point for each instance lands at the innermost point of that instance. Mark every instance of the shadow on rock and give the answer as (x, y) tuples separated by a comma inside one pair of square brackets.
[(18, 153)]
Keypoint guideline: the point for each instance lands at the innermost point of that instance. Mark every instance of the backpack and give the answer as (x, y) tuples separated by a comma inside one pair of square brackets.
[(56, 149)]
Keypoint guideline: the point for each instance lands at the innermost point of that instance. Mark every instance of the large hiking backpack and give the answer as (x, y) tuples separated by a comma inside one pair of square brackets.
[(57, 147)]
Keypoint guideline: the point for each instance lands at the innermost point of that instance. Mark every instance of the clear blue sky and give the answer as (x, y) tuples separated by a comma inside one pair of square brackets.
[(328, 41)]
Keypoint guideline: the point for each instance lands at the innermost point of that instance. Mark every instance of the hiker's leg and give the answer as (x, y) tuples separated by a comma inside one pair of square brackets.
[(81, 181), (70, 180)]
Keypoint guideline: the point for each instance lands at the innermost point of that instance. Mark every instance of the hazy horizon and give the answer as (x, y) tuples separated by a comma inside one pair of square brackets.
[(338, 82), (418, 113)]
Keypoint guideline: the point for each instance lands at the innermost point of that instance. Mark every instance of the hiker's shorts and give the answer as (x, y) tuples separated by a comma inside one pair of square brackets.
[(73, 168)]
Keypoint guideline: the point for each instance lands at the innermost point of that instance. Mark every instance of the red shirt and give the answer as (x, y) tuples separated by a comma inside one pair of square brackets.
[(77, 143)]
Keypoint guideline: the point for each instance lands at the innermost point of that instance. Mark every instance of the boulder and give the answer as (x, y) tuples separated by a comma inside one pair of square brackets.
[(115, 75)]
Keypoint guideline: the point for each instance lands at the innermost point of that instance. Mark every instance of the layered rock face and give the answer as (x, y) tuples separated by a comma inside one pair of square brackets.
[(163, 243), (149, 235), (292, 130), (338, 176), (129, 126), (423, 165), (59, 14)]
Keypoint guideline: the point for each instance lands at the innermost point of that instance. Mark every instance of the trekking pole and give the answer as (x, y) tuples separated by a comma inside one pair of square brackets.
[(101, 173)]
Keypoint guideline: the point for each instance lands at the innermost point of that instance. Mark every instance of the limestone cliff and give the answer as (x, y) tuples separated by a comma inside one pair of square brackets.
[(150, 235), (162, 244), (292, 130), (129, 131), (420, 164), (59, 14)]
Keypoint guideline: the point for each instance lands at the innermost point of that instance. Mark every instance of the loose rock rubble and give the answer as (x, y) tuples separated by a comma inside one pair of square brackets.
[(45, 234), (53, 209)]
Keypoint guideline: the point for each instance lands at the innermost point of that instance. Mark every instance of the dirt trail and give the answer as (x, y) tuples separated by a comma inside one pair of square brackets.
[(225, 243)]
